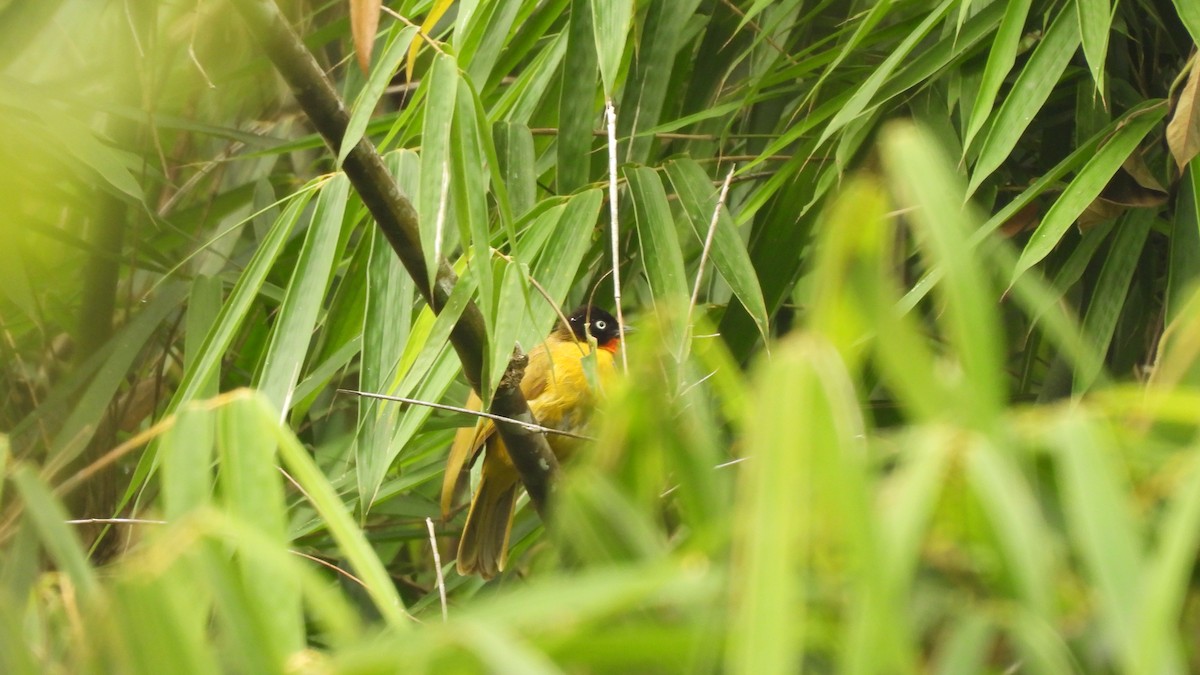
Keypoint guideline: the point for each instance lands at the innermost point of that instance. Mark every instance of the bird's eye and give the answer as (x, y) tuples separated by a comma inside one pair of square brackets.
[(601, 325)]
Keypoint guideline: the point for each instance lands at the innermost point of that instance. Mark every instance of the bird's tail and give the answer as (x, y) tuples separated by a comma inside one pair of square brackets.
[(483, 548)]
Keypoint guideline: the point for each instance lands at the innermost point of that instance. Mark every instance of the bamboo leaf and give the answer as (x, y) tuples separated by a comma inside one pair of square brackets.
[(661, 256), (1167, 577), (1000, 61), (435, 14), (923, 180), (350, 539), (252, 492), (1189, 14), (1095, 17), (305, 294), (698, 197), (1086, 186), (1183, 131), (865, 94), (577, 103), (49, 519), (364, 21), (1112, 289), (434, 200), (514, 147), (1100, 523), (611, 21), (1042, 72), (368, 98)]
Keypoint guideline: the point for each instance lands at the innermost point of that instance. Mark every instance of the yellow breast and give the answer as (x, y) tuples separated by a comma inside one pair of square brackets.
[(563, 382)]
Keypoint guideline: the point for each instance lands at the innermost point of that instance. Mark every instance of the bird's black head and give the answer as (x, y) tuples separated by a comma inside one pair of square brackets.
[(602, 326)]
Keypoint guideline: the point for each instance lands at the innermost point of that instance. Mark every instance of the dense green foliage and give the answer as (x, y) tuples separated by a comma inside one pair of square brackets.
[(888, 433)]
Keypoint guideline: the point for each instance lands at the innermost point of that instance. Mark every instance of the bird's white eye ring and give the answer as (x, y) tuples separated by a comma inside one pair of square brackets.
[(601, 325)]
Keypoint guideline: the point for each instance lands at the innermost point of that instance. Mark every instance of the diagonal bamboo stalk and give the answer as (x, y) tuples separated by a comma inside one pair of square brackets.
[(397, 219)]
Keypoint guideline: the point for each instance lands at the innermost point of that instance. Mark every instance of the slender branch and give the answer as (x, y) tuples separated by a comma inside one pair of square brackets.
[(437, 565), (708, 240), (397, 219), (610, 119), (466, 411)]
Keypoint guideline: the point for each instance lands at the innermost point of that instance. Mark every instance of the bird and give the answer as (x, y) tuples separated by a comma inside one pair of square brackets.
[(561, 396)]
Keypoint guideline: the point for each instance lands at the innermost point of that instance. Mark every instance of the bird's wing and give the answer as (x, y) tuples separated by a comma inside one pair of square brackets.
[(537, 371), (467, 442)]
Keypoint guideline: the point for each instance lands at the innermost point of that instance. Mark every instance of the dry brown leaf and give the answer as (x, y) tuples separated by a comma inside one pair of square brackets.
[(1028, 218), (364, 21), (1132, 187), (1183, 131)]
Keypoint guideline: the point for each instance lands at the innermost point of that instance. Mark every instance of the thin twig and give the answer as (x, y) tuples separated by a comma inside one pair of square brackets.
[(437, 565), (330, 565), (114, 521), (708, 240), (610, 118), (540, 289), (467, 411)]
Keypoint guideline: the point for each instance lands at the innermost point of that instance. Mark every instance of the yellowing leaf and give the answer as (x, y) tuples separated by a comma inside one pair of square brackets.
[(364, 21), (435, 14), (1183, 131)]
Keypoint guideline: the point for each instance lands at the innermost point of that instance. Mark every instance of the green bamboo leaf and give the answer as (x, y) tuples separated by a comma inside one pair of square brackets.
[(1100, 523), (479, 41), (558, 264), (662, 258), (468, 165), (1000, 61), (49, 519), (187, 461), (923, 179), (775, 511), (1095, 18), (399, 40), (423, 363), (1184, 269), (514, 147), (510, 311), (386, 329), (649, 80), (611, 21), (1111, 291), (304, 295), (1012, 510), (1042, 72), (965, 650), (699, 197), (229, 323), (434, 201), (252, 492), (350, 539), (1086, 186), (1189, 14), (1168, 577), (865, 94), (112, 371), (169, 633), (1075, 161), (203, 308), (527, 95), (577, 103), (913, 493), (862, 30)]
